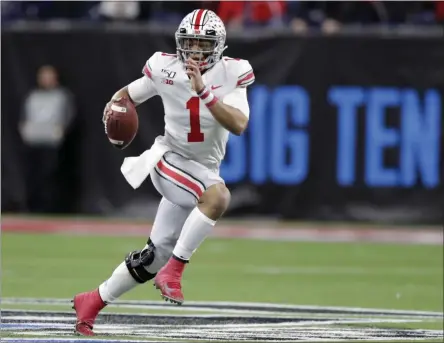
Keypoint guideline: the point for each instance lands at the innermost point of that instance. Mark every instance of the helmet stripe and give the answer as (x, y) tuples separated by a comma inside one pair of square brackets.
[(204, 18), (192, 18), (198, 20)]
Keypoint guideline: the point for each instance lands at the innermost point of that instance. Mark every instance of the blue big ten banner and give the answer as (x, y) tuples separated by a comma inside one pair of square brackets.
[(332, 151), (348, 128), (403, 122), (341, 128), (413, 134), (276, 147)]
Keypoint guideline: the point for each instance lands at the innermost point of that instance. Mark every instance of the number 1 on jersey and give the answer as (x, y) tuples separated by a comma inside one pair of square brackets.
[(195, 135)]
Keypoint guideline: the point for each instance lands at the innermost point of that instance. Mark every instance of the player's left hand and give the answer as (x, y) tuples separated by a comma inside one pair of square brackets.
[(192, 70)]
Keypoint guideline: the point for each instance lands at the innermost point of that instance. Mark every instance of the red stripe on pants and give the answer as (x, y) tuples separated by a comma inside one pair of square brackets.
[(179, 178)]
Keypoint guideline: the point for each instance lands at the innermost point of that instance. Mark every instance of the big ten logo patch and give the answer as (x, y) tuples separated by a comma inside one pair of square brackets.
[(170, 75), (167, 82)]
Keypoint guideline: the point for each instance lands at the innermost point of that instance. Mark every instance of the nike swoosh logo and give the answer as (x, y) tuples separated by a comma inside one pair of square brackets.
[(168, 289), (215, 87)]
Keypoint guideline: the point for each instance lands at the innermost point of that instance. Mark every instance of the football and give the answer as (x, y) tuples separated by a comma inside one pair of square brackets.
[(122, 124)]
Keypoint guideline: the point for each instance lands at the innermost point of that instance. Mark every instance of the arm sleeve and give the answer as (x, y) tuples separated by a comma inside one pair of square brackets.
[(238, 99), (246, 75), (142, 89)]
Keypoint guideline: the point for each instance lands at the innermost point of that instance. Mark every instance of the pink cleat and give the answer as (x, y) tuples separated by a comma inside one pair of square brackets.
[(87, 306), (168, 281)]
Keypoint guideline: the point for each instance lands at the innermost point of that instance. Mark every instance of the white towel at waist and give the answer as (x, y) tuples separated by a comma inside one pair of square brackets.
[(136, 169)]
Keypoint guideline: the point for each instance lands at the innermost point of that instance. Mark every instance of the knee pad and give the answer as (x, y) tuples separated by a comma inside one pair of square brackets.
[(136, 262)]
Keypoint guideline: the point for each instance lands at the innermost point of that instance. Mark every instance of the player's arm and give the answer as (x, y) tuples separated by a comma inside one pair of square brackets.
[(137, 92), (124, 93), (232, 112), (140, 90)]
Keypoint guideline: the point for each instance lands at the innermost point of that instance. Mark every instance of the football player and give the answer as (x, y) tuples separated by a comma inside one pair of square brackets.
[(205, 98)]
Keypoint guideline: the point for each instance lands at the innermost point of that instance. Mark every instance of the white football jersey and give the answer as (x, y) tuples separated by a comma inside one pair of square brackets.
[(190, 128)]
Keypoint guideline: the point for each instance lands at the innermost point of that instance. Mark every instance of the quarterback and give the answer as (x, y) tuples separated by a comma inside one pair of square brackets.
[(205, 98)]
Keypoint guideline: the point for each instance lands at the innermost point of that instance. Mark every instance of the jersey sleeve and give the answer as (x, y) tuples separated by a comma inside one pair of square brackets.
[(245, 74), (152, 62), (144, 88), (238, 99)]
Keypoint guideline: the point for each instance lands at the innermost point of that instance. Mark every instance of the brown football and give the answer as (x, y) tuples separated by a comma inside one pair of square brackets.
[(122, 123)]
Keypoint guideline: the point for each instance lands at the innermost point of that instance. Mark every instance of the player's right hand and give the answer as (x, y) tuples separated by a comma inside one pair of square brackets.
[(106, 113)]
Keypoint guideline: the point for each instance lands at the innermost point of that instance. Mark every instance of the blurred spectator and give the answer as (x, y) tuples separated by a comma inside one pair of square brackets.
[(119, 10), (209, 5), (46, 10), (48, 112), (236, 14), (172, 12), (439, 11), (11, 10), (331, 15)]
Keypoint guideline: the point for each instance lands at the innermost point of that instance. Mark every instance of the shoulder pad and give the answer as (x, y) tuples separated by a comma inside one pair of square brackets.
[(157, 62), (242, 71)]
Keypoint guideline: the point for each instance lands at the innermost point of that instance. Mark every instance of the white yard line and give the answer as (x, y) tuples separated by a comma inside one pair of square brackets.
[(233, 307)]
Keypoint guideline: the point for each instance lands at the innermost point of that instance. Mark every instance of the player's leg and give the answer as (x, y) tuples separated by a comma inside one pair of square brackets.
[(141, 266), (166, 231), (210, 199), (138, 267), (211, 206)]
